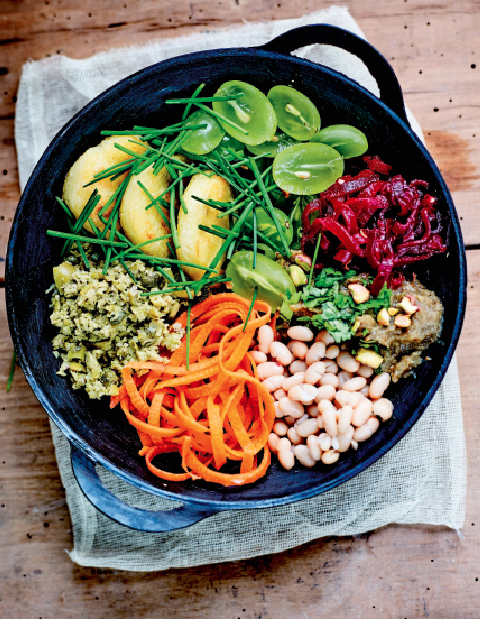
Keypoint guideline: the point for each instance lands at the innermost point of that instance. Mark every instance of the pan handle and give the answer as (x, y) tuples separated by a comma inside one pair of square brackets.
[(324, 34), (132, 517)]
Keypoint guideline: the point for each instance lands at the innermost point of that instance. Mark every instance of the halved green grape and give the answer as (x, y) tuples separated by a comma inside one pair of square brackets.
[(271, 279), (307, 168), (201, 141), (252, 112), (280, 142), (229, 143), (266, 225), (297, 116), (348, 140)]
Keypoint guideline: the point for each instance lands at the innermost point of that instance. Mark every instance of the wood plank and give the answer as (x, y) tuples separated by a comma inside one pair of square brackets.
[(432, 49), (406, 569), (395, 571)]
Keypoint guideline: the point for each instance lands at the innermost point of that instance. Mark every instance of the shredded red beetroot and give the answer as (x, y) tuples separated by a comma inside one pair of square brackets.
[(388, 222)]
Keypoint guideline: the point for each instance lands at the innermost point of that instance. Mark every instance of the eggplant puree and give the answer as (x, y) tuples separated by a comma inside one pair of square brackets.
[(405, 345)]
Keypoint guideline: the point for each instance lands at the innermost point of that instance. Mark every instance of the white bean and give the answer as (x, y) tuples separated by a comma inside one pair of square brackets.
[(286, 459), (279, 394), (354, 444), (291, 381), (324, 405), (280, 353), (301, 420), (291, 407), (278, 411), (298, 366), (325, 441), (355, 384), (344, 441), (342, 397), (330, 422), (383, 408), (314, 448), (325, 337), (258, 357), (347, 362), (307, 427), (293, 436), (344, 419), (378, 385), (329, 379), (312, 410), (355, 397), (269, 368), (298, 349), (343, 376), (316, 352), (365, 370), (325, 392), (312, 376), (361, 412), (332, 352), (265, 338), (303, 456), (280, 428), (331, 367), (301, 333), (330, 457), (335, 443), (284, 444), (272, 442), (303, 393), (364, 391), (364, 432), (272, 383)]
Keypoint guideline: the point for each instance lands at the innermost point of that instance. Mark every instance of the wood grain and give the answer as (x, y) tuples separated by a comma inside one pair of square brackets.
[(417, 571), (396, 571), (432, 48)]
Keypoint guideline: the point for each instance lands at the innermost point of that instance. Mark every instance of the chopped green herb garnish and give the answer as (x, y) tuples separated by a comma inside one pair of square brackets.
[(337, 309)]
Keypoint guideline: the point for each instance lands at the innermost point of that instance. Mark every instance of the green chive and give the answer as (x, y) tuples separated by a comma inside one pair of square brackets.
[(222, 118), (116, 169), (204, 99), (85, 239), (124, 253), (12, 370), (155, 201), (187, 340), (269, 207), (315, 254), (251, 307), (173, 226), (182, 201), (188, 107), (254, 240)]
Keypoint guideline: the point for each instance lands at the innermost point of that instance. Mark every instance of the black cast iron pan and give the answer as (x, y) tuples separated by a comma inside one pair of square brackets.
[(99, 435)]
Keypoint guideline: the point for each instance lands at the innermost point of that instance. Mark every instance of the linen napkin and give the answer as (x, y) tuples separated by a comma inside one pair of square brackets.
[(421, 480)]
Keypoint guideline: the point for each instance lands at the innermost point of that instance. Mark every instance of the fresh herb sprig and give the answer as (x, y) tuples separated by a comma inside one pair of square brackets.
[(337, 309)]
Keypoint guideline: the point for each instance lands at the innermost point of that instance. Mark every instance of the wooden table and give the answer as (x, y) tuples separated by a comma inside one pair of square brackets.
[(397, 571)]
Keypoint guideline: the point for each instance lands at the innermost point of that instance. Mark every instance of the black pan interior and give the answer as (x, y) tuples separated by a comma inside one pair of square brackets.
[(104, 434)]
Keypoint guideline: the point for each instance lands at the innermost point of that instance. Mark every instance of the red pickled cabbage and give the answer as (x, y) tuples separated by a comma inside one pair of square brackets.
[(387, 222)]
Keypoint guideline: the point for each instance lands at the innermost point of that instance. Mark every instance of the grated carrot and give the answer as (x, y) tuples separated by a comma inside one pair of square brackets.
[(215, 413)]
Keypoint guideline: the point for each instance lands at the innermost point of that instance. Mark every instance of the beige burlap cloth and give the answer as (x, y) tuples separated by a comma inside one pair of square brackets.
[(421, 480)]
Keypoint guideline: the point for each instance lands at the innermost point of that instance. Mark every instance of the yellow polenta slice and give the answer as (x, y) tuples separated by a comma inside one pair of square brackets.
[(196, 245), (93, 161), (139, 223)]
